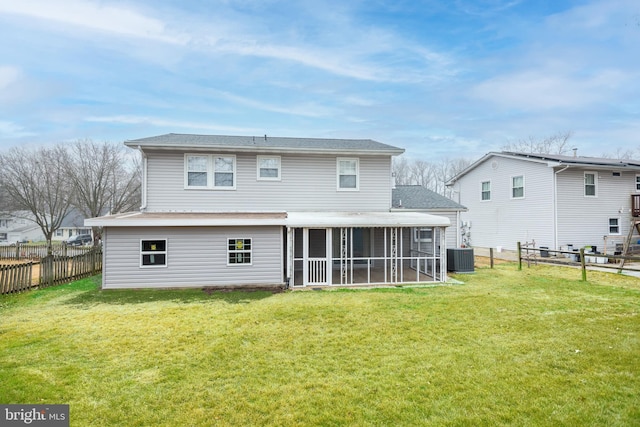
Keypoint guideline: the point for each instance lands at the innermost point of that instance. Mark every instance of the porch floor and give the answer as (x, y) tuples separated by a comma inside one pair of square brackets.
[(376, 277)]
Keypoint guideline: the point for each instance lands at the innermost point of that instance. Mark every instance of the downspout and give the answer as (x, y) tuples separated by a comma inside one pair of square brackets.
[(144, 180), (555, 206)]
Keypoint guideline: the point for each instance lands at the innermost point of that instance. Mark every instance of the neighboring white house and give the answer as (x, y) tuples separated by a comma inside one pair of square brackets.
[(417, 198), (264, 211), (72, 225), (18, 227), (553, 199)]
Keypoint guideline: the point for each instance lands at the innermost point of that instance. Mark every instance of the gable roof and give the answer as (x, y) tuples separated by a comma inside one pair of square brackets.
[(264, 143), (555, 161), (419, 197)]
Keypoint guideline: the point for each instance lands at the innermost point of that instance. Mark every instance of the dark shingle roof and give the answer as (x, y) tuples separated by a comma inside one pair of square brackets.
[(262, 143), (576, 160), (419, 197)]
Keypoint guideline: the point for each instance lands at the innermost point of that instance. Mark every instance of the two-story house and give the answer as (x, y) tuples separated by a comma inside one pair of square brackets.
[(554, 200), (265, 211)]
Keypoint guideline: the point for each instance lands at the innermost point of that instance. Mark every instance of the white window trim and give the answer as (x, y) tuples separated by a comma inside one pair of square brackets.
[(482, 182), (165, 252), (262, 178), (619, 233), (210, 172), (229, 251), (512, 187), (595, 183), (636, 183), (357, 160)]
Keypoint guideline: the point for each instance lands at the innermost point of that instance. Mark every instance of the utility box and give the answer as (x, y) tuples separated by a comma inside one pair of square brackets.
[(460, 260)]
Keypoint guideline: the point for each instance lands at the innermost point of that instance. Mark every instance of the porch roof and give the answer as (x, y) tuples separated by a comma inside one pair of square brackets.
[(290, 219)]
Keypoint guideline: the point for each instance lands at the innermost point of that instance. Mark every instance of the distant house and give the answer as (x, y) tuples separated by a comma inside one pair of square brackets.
[(417, 198), (553, 199), (72, 225), (17, 227), (267, 211)]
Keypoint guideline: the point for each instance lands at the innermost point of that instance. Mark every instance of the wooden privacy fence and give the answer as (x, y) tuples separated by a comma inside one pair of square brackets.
[(54, 270), (529, 253), (30, 251)]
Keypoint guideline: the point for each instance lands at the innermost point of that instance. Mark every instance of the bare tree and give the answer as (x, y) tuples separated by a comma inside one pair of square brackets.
[(105, 178), (35, 180), (620, 154), (553, 144), (400, 169)]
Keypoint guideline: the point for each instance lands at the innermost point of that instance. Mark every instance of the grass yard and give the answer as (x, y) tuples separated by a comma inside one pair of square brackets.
[(530, 348)]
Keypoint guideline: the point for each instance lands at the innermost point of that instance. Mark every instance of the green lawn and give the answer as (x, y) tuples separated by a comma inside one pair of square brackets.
[(536, 347)]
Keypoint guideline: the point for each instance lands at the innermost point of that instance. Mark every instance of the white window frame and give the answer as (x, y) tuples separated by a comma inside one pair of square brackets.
[(165, 253), (617, 219), (482, 190), (211, 172), (243, 250), (259, 168), (357, 174), (513, 187), (595, 184), (638, 183)]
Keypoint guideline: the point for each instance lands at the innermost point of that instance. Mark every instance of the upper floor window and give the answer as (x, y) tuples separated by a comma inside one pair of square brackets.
[(517, 187), (210, 171), (485, 192), (637, 182), (590, 184), (614, 225), (348, 174), (269, 168)]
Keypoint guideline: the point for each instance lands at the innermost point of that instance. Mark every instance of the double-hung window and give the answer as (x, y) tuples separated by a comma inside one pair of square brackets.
[(153, 253), (614, 225), (485, 190), (590, 184), (348, 171), (517, 187), (239, 252), (268, 168), (638, 183), (210, 171)]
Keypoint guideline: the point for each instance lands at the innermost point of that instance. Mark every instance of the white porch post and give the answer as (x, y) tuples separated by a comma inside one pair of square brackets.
[(443, 254), (289, 257)]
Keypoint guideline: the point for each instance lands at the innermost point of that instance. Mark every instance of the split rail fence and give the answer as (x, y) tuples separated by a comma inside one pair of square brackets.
[(54, 270), (530, 254)]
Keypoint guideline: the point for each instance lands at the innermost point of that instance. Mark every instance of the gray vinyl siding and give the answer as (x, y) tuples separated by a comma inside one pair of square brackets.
[(503, 221), (585, 220), (196, 257), (308, 184)]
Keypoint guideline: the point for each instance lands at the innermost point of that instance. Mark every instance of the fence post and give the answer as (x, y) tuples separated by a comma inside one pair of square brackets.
[(491, 257), (17, 250), (519, 257), (582, 264)]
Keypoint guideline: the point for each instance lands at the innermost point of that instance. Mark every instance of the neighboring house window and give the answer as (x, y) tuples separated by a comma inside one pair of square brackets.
[(423, 235), (637, 182), (197, 171), (517, 187), (485, 192), (210, 171), (239, 251), (269, 168), (59, 233), (348, 174), (590, 184), (614, 225), (3, 236), (153, 253)]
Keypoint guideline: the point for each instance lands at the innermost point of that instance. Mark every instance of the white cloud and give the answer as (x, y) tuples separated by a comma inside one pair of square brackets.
[(8, 75), (95, 16), (11, 130), (162, 122)]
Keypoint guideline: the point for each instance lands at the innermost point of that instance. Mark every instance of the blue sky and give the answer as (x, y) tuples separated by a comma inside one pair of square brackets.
[(442, 79)]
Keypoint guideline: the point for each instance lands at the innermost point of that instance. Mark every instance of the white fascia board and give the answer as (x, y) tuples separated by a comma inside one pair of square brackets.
[(364, 219)]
